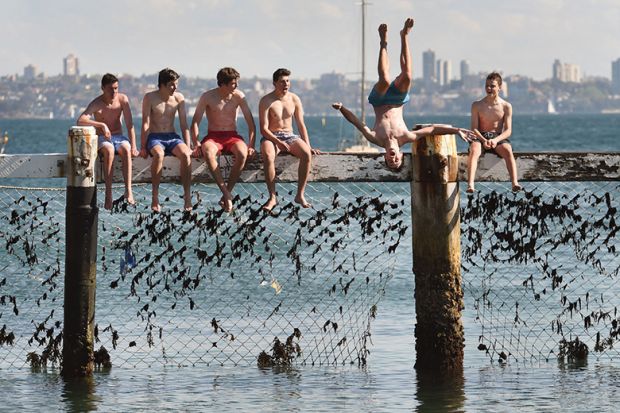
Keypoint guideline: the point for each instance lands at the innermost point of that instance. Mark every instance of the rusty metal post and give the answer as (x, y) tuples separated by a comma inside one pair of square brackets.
[(80, 253), (437, 255)]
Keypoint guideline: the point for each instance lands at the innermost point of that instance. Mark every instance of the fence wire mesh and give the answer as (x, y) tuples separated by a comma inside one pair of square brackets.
[(540, 272), (541, 267), (207, 287)]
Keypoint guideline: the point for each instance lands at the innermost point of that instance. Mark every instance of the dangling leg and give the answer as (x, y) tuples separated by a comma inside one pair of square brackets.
[(383, 66), (403, 80)]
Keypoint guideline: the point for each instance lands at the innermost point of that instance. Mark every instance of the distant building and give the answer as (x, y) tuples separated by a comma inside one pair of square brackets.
[(30, 72), (332, 81), (464, 69), (70, 66), (566, 72), (615, 77), (428, 66), (439, 72), (447, 72)]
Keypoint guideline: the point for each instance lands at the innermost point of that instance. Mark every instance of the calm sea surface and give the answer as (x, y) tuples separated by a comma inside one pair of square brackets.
[(389, 382)]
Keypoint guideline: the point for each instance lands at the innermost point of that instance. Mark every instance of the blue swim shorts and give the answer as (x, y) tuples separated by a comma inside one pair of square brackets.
[(168, 141), (115, 140), (284, 136), (392, 96)]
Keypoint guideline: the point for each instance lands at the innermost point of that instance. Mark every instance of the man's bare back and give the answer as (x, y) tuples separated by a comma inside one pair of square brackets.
[(221, 110), (281, 111), (162, 113)]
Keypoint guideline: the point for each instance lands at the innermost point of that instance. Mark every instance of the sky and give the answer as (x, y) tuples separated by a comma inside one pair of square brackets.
[(310, 37)]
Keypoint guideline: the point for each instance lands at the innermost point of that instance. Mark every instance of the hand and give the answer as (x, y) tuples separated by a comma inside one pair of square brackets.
[(251, 153), (283, 146), (315, 151), (143, 153), (106, 132), (492, 143), (134, 152), (337, 105), (467, 135), (197, 151)]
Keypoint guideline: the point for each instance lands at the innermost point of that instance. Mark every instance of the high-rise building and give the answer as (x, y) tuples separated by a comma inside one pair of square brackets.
[(615, 76), (70, 66), (30, 72), (566, 72), (464, 69), (447, 72), (439, 72), (428, 66)]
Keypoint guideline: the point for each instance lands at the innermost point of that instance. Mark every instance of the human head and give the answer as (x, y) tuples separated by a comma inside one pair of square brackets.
[(226, 75), (109, 86), (393, 156), (167, 75), (279, 73), (495, 76), (108, 79), (493, 84)]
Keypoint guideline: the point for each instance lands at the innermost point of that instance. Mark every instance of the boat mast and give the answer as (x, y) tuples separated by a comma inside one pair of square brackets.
[(361, 140)]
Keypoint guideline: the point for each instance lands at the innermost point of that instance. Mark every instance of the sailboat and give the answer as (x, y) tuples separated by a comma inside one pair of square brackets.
[(361, 144)]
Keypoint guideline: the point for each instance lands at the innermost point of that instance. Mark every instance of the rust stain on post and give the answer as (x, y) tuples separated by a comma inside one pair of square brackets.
[(437, 255)]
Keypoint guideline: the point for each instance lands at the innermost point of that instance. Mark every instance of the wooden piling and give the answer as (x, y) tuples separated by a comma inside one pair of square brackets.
[(436, 255), (80, 253)]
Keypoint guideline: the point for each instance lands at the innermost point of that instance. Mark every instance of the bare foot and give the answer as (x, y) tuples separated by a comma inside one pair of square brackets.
[(270, 204), (470, 189), (407, 27), (516, 187), (108, 201), (383, 33), (129, 198), (226, 203), (302, 201), (155, 207)]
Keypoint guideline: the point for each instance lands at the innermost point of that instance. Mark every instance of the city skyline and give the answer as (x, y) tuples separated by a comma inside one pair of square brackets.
[(197, 37)]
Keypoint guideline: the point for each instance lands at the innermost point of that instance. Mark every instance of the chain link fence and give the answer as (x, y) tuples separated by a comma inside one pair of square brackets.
[(540, 271), (207, 287)]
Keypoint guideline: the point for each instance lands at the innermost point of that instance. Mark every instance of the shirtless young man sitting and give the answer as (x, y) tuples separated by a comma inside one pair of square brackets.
[(276, 112), (491, 121), (159, 138), (387, 98), (106, 109), (220, 105)]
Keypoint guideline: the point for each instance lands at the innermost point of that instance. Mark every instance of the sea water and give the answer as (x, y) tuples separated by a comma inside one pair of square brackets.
[(389, 381)]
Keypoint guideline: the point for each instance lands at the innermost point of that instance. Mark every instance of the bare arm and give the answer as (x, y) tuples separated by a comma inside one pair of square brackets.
[(86, 119), (146, 118), (195, 130), (301, 124), (507, 131), (465, 134), (249, 120), (129, 124), (183, 120), (365, 130)]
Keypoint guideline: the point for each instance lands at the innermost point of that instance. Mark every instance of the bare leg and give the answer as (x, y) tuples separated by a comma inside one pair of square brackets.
[(269, 153), (156, 165), (475, 149), (300, 149), (183, 153), (383, 66), (240, 151), (107, 152), (210, 151), (505, 151), (125, 152), (403, 80)]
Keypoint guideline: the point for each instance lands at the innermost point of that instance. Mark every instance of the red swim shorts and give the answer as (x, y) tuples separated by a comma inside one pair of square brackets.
[(224, 140)]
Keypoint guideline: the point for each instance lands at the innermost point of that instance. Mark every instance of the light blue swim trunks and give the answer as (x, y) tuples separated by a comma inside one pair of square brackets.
[(115, 140), (392, 96), (168, 141), (286, 137)]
